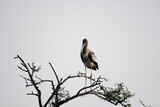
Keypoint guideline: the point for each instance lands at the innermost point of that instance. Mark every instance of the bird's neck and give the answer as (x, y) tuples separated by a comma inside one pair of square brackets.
[(85, 49)]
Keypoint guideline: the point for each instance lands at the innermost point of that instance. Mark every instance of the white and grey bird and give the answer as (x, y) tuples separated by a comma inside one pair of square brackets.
[(89, 59)]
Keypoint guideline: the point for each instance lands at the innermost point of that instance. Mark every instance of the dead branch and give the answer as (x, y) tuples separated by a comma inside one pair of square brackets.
[(33, 94), (55, 73), (75, 76), (115, 96), (31, 79)]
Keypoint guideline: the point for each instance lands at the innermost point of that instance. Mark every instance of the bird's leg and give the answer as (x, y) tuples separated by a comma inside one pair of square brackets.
[(91, 78), (85, 77)]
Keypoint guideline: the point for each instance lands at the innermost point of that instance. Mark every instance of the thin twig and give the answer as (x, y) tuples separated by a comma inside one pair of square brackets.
[(32, 94), (21, 68), (55, 73), (41, 81), (74, 76)]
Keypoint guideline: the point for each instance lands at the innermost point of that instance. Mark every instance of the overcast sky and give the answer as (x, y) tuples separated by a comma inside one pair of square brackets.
[(124, 34)]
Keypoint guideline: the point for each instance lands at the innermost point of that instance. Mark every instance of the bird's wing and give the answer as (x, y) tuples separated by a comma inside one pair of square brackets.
[(93, 58)]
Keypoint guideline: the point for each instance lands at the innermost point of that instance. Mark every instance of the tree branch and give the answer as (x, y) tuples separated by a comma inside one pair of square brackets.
[(31, 79), (143, 104), (117, 95), (96, 83), (74, 76), (32, 94), (55, 90), (55, 73)]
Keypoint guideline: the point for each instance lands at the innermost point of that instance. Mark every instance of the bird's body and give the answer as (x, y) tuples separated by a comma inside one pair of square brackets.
[(88, 58)]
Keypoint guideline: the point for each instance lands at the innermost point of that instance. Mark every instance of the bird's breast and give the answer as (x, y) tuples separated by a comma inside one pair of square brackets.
[(85, 58), (87, 61)]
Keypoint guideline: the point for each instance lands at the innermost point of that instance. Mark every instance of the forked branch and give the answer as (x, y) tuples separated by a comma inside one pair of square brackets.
[(26, 69), (59, 95)]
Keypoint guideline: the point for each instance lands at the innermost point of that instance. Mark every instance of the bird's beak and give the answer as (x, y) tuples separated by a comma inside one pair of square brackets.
[(82, 47)]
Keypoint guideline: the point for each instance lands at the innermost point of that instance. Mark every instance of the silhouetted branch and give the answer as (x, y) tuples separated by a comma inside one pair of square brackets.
[(31, 79), (143, 104), (75, 76), (55, 73), (58, 85), (32, 94), (96, 83), (59, 95), (26, 80), (21, 68)]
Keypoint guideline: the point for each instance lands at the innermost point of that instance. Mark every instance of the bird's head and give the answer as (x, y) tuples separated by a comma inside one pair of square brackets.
[(85, 41), (84, 44)]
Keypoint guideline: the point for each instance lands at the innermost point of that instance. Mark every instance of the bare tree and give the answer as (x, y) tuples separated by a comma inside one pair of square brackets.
[(59, 96)]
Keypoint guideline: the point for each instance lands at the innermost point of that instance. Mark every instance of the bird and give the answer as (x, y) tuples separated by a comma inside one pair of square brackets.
[(89, 59)]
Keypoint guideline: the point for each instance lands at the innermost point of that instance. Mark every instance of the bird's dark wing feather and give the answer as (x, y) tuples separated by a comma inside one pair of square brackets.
[(92, 57)]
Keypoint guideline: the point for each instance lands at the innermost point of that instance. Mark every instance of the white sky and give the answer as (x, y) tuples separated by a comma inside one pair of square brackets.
[(124, 34)]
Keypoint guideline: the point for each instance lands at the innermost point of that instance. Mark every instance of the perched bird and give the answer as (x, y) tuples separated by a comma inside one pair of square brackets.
[(89, 59)]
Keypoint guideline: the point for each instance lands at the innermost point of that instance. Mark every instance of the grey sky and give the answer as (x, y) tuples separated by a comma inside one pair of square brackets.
[(124, 34)]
